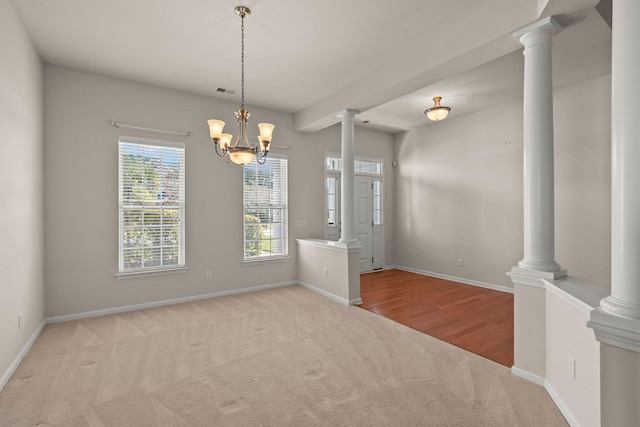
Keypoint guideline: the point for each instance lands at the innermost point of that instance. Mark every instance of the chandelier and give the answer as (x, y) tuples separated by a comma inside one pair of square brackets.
[(241, 151), (437, 112)]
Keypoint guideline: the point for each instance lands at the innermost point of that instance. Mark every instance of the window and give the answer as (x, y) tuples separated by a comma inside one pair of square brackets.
[(361, 166), (332, 199), (376, 188), (151, 204), (265, 209)]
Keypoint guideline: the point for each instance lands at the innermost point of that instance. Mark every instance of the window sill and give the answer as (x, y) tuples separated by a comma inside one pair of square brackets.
[(156, 272), (251, 261)]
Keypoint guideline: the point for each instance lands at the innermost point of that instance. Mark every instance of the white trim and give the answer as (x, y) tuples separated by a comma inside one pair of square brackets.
[(331, 245), (570, 295), (282, 162), (96, 313), (526, 375), (453, 278), (543, 382), (266, 259), (149, 141), (329, 295), (566, 413), (524, 276), (615, 330), (18, 360), (150, 272)]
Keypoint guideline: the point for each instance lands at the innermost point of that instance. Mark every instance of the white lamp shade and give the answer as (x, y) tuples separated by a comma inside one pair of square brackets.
[(266, 131), (225, 140), (215, 128), (437, 113), (241, 157)]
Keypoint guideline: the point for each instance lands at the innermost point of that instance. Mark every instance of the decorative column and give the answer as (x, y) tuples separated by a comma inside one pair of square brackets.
[(347, 203), (539, 240), (616, 322)]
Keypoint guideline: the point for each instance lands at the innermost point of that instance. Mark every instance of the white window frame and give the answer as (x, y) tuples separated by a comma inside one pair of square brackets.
[(277, 206), (151, 147)]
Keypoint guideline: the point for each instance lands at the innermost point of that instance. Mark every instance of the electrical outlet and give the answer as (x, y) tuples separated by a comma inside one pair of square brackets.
[(19, 321), (460, 262), (571, 367), (207, 274), (326, 272)]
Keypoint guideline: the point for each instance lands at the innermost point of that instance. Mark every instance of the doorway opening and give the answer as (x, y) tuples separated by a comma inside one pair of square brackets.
[(367, 206)]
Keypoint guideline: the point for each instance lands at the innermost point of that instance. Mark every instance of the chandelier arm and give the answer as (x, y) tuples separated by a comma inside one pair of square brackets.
[(218, 152)]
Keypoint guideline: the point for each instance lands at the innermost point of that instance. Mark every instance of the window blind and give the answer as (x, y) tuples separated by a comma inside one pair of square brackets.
[(265, 209), (151, 204)]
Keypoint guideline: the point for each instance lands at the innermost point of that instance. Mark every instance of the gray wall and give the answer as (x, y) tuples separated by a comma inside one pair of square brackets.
[(81, 252), (458, 189), (21, 221)]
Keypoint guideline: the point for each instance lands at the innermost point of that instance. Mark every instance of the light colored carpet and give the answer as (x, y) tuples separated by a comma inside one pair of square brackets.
[(280, 357)]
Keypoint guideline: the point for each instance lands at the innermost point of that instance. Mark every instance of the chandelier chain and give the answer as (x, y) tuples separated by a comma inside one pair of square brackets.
[(242, 61)]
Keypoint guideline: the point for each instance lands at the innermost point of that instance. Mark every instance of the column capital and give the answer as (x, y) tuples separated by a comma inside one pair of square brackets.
[(545, 27), (348, 114)]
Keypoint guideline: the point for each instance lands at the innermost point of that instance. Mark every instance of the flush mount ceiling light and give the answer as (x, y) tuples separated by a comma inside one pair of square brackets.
[(437, 112), (241, 151)]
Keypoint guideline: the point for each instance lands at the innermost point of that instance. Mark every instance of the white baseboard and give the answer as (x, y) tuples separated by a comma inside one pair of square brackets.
[(526, 375), (328, 294), (452, 278), (542, 382), (18, 360), (96, 313), (560, 404)]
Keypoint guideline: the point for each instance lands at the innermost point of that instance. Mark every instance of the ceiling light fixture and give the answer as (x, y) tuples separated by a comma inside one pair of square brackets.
[(437, 112), (241, 151)]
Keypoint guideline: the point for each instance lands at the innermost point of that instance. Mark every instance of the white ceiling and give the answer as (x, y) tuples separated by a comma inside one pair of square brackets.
[(314, 58)]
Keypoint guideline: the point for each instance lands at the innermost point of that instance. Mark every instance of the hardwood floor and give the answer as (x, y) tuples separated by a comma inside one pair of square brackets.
[(470, 317)]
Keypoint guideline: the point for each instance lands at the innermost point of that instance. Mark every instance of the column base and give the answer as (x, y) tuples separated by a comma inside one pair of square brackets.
[(615, 330), (533, 277), (621, 308), (349, 242)]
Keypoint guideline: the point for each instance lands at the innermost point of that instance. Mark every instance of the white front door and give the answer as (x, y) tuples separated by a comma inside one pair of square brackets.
[(368, 209)]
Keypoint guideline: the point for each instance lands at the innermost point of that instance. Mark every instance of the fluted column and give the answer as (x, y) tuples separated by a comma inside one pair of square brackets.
[(347, 203), (539, 239)]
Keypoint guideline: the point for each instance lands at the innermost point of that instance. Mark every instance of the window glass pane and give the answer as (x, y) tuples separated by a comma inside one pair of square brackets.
[(377, 202), (334, 163), (359, 166), (331, 202), (170, 255), (265, 208), (331, 185), (151, 193)]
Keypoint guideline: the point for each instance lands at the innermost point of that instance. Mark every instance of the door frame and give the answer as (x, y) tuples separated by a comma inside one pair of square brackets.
[(333, 169)]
